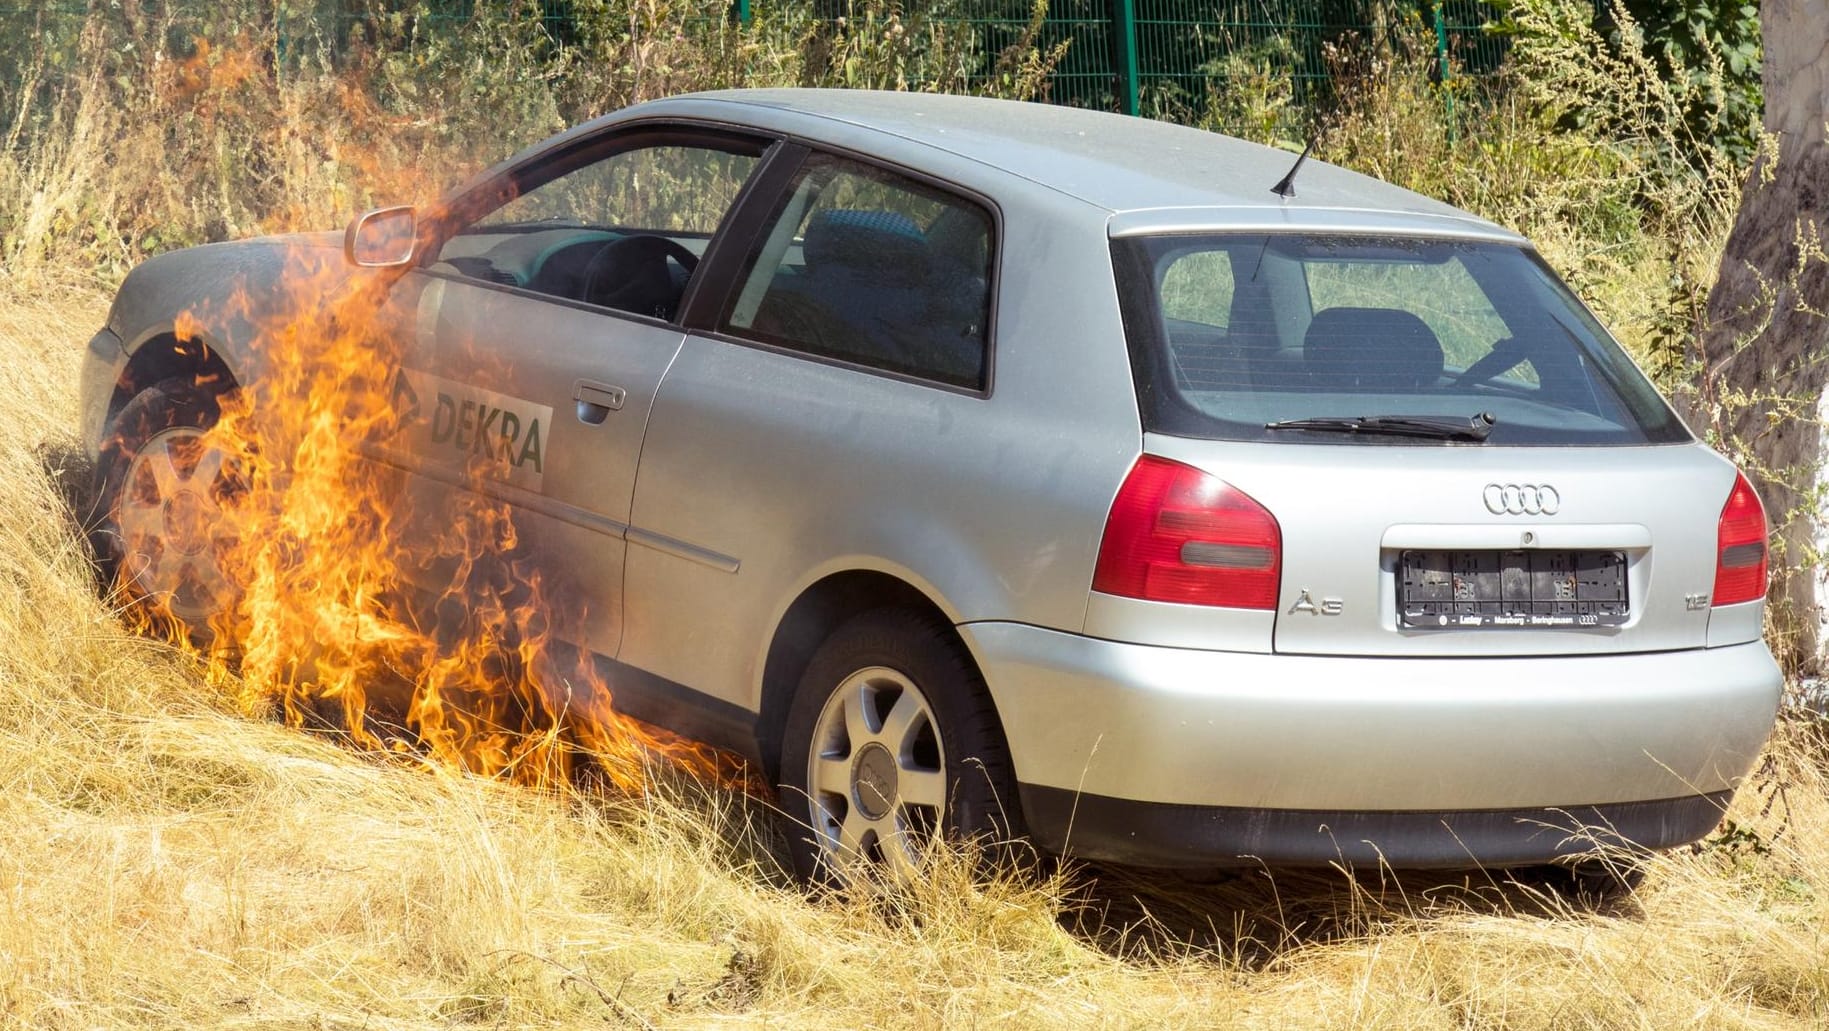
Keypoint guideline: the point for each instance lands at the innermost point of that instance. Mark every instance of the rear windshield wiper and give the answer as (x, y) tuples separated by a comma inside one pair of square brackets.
[(1437, 427)]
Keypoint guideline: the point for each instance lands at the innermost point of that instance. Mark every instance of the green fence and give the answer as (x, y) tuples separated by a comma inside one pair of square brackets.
[(1166, 56), (1158, 57)]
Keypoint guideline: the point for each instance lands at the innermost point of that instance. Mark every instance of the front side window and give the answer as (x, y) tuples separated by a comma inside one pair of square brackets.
[(1300, 337), (622, 228), (872, 268)]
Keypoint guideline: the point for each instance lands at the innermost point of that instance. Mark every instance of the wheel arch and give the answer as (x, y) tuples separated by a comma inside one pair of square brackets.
[(815, 613), (165, 353)]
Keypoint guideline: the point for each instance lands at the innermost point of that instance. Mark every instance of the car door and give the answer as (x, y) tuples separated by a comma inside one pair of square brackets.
[(540, 329), (815, 415)]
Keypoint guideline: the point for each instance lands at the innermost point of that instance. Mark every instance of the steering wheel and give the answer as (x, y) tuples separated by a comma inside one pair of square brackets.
[(630, 274), (1505, 356)]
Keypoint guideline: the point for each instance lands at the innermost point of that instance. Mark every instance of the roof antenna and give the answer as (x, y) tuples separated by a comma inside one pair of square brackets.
[(1286, 186)]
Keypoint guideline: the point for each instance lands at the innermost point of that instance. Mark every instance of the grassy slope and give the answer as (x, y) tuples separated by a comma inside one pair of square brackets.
[(166, 862)]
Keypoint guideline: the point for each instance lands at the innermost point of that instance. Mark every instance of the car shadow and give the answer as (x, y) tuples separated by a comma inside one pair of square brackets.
[(71, 474), (1252, 916)]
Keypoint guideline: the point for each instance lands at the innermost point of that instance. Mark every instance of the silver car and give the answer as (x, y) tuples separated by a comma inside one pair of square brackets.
[(987, 468)]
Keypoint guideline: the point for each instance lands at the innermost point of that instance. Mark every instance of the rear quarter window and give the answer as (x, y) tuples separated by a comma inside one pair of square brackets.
[(864, 266)]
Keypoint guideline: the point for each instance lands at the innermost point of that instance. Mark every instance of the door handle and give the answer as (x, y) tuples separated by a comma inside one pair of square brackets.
[(597, 400)]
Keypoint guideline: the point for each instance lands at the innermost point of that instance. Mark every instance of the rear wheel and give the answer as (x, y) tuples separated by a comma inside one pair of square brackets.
[(892, 742), (161, 536), (1592, 881)]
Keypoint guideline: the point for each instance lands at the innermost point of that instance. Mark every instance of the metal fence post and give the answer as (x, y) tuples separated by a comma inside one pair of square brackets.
[(1441, 54), (740, 8), (281, 45), (1124, 24), (1441, 40)]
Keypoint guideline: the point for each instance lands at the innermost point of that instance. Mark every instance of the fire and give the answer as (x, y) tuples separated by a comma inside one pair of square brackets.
[(310, 531), (209, 76)]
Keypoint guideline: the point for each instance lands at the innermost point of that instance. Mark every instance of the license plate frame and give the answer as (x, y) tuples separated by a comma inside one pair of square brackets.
[(1463, 589)]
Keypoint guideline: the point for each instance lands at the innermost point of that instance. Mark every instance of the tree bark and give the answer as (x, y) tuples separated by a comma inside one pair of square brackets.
[(1764, 340)]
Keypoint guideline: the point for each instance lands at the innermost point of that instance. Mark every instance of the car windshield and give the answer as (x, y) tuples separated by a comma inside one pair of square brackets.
[(1374, 340)]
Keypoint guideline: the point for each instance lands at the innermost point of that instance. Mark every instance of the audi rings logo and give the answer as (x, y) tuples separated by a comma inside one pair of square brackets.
[(1521, 499)]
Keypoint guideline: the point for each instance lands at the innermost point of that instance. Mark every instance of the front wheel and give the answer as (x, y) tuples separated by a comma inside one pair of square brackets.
[(892, 742), (161, 536)]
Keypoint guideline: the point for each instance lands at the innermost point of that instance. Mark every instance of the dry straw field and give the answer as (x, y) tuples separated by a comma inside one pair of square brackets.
[(168, 859)]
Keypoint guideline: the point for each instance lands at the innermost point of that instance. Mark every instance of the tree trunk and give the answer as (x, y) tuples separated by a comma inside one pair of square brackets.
[(1765, 333)]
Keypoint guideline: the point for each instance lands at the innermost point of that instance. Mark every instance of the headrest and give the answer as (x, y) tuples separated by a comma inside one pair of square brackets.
[(962, 237), (1376, 349), (880, 242)]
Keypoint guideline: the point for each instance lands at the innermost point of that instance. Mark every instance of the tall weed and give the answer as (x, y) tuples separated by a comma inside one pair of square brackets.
[(149, 127), (1683, 187)]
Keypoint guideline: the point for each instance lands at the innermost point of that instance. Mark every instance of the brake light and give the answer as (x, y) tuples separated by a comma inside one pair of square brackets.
[(1740, 557), (1177, 534)]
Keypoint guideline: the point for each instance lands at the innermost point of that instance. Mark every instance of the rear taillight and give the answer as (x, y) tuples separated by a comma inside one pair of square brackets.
[(1180, 535), (1740, 556)]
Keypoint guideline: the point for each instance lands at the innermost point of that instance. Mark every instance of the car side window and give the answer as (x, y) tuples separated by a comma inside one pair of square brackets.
[(867, 266), (622, 230)]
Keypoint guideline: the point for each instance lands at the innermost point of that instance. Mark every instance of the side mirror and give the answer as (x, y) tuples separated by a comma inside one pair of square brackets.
[(382, 238)]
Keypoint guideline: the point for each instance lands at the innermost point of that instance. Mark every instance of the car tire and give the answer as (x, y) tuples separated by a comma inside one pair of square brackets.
[(892, 739), (158, 532), (1588, 883), (1606, 879)]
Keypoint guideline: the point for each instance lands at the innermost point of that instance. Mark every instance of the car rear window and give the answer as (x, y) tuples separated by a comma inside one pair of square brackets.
[(1233, 334)]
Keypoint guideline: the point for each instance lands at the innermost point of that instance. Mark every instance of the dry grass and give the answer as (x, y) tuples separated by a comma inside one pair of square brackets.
[(167, 862)]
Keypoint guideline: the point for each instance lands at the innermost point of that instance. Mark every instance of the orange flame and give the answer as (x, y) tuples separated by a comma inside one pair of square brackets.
[(313, 539), (210, 74)]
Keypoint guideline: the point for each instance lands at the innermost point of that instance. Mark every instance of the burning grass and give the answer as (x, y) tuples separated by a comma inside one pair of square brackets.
[(308, 531), (167, 861)]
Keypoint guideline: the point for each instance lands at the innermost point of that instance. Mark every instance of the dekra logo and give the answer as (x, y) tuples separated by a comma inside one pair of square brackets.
[(478, 428)]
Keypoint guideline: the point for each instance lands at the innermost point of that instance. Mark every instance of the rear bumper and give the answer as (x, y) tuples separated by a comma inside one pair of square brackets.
[(1183, 754), (1154, 834)]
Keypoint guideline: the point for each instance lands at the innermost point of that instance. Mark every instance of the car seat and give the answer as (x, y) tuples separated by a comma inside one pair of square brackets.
[(868, 269), (1375, 350)]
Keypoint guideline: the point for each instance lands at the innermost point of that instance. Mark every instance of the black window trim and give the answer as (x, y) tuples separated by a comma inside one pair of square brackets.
[(708, 295)]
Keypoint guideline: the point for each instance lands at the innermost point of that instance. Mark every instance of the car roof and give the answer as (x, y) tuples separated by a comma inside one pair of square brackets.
[(1154, 175)]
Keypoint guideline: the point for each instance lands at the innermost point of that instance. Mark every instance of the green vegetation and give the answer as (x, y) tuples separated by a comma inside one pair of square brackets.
[(133, 132), (1708, 53)]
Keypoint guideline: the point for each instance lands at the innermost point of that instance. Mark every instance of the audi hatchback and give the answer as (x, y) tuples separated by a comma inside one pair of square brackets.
[(979, 467)]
